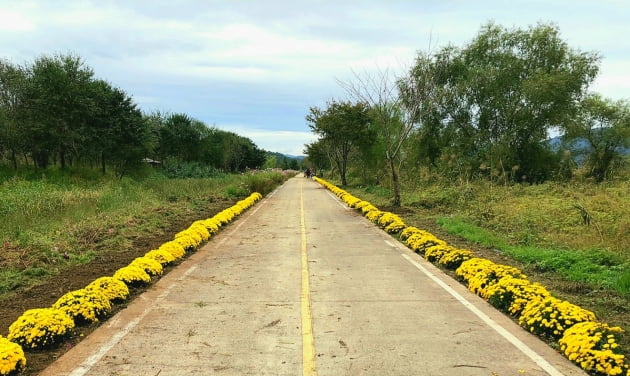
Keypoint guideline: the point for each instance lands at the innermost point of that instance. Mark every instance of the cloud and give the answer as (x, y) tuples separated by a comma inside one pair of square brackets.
[(286, 142), (262, 64)]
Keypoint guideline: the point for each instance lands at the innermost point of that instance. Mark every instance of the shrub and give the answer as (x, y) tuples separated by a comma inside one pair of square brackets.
[(455, 257), (114, 289), (422, 240), (12, 358), (593, 347), (512, 294), (162, 256), (84, 306), (132, 275), (41, 328), (550, 317), (149, 265)]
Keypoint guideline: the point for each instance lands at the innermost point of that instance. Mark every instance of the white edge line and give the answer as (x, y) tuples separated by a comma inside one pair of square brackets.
[(97, 355), (337, 200), (546, 366), (90, 361)]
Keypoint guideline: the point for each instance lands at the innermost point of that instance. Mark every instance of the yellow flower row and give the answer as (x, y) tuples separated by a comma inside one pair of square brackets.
[(46, 327), (12, 359), (584, 340)]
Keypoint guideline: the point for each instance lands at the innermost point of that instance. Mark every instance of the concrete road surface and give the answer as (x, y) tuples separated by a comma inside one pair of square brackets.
[(300, 284)]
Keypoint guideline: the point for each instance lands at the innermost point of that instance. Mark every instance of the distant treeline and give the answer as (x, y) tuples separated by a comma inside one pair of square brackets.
[(481, 111), (54, 111)]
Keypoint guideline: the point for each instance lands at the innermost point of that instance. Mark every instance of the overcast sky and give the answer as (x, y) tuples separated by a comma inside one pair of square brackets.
[(255, 67)]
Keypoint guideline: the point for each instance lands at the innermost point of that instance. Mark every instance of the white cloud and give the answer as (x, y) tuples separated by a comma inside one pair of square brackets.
[(262, 64), (286, 142)]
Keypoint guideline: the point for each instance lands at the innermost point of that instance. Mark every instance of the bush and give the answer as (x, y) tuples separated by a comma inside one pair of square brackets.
[(84, 306), (12, 358), (149, 265), (550, 317), (593, 347), (132, 275), (41, 328), (115, 290)]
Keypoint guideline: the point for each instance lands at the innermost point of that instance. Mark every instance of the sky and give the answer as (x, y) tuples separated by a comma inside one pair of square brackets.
[(255, 67)]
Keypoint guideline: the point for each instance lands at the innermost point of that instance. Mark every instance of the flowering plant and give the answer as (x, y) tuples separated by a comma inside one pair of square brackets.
[(12, 358), (189, 240), (132, 275), (211, 224), (84, 306), (511, 294), (161, 256), (408, 231), (593, 347), (149, 265), (455, 257), (550, 317), (374, 215), (422, 240), (480, 274), (40, 328), (114, 289), (199, 230), (175, 248)]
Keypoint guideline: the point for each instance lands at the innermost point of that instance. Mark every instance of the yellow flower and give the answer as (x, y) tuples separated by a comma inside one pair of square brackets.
[(40, 328), (132, 275), (12, 358), (84, 306), (149, 265)]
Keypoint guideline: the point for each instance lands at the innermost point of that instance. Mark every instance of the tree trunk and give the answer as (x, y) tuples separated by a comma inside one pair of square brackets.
[(62, 158), (103, 163), (14, 159), (395, 183)]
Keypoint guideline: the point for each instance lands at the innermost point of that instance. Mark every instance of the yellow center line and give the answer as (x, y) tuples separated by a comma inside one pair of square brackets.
[(308, 344)]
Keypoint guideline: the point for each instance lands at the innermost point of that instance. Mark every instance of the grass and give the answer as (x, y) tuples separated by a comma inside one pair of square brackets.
[(63, 218), (599, 268)]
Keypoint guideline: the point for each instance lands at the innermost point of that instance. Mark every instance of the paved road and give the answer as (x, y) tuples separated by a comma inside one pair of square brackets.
[(300, 284)]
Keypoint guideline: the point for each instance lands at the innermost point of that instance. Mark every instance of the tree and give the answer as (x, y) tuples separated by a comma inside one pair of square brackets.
[(344, 126), (119, 133), (605, 126), (57, 107), (318, 156), (12, 84), (497, 98), (392, 115)]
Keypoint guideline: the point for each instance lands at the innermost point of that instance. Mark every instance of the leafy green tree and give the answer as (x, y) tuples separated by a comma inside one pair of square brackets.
[(181, 137), (118, 134), (605, 126), (294, 164), (12, 83), (496, 99), (57, 107), (318, 156), (344, 126)]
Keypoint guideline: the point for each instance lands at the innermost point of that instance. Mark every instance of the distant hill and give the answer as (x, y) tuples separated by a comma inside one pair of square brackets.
[(298, 157), (285, 160), (580, 145), (580, 148)]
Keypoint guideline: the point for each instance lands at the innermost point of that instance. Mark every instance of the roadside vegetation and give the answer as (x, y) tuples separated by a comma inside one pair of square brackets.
[(58, 219)]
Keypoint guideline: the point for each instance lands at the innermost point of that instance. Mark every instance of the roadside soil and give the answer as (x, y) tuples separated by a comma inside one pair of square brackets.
[(105, 263)]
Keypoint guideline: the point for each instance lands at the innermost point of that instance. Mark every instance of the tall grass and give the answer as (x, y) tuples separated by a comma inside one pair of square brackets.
[(579, 230), (53, 221)]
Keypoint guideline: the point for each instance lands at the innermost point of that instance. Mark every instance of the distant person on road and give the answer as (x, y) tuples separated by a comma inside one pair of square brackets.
[(307, 173)]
